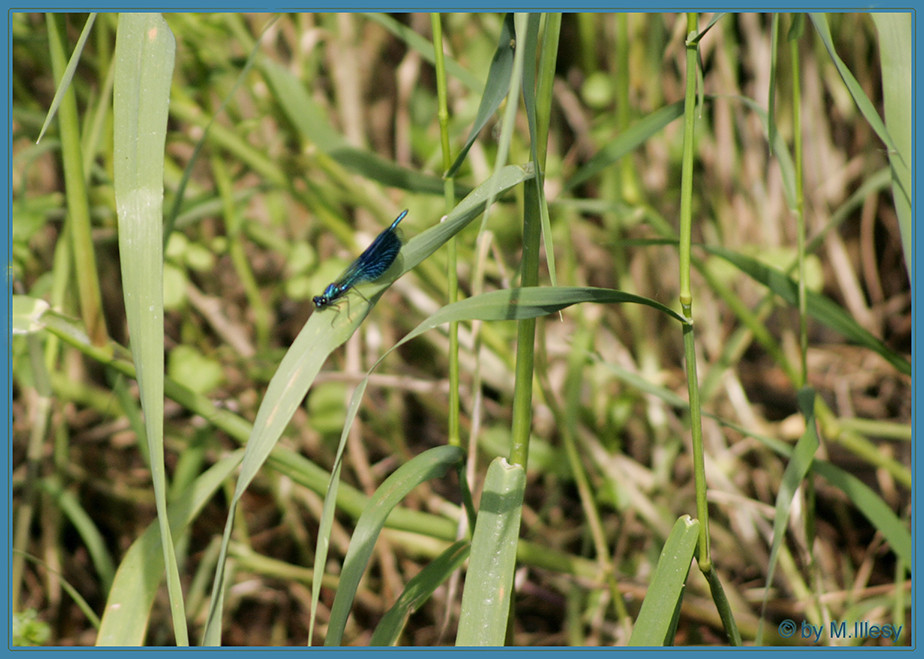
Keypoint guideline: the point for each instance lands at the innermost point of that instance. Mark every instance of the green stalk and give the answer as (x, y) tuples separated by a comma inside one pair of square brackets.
[(449, 195), (686, 297), (529, 276), (809, 481), (78, 204), (686, 180), (800, 213), (704, 558), (526, 331)]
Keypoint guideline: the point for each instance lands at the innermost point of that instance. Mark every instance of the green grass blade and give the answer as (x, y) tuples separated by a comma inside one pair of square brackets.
[(820, 21), (820, 307), (418, 590), (657, 619), (79, 225), (626, 142), (495, 91), (803, 456), (420, 45), (895, 52), (128, 605), (432, 464), (312, 124), (489, 580), (89, 533), (65, 82), (144, 54), (531, 302), (320, 336), (877, 511)]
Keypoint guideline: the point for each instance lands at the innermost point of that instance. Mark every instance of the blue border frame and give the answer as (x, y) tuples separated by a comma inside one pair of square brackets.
[(236, 5)]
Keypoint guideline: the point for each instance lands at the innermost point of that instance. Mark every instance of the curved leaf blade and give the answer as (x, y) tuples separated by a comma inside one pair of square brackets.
[(657, 619), (431, 464)]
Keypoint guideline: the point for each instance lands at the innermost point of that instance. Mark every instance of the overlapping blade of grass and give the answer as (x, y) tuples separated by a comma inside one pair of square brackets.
[(128, 606), (418, 590), (431, 464), (322, 334), (495, 89), (625, 143), (144, 54), (819, 307), (425, 48), (803, 456), (867, 109), (64, 82), (657, 619), (895, 51), (313, 126)]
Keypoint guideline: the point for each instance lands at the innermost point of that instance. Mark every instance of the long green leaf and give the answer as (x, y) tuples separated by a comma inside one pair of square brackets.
[(418, 590), (429, 465), (128, 605), (819, 307), (626, 142), (65, 82), (311, 123), (489, 580), (820, 21), (530, 302), (79, 225), (144, 54), (895, 52), (803, 456), (657, 619), (495, 89)]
